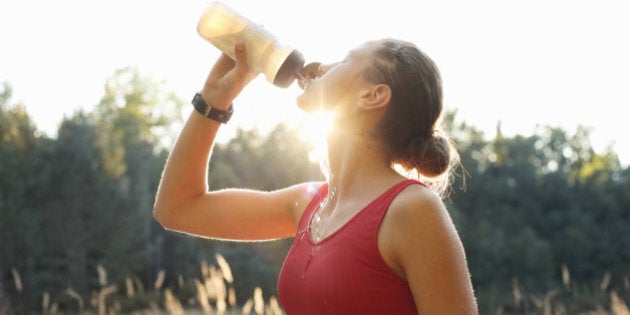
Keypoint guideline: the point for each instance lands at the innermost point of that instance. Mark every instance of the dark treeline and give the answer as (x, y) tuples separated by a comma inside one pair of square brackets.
[(537, 214)]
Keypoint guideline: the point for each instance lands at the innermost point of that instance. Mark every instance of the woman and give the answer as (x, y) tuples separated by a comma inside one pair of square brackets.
[(368, 240)]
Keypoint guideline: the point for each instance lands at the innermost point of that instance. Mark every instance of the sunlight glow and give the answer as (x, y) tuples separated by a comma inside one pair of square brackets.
[(314, 131), (500, 81), (411, 174)]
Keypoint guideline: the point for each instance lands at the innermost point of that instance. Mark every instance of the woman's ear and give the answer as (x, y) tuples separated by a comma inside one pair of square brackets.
[(375, 97)]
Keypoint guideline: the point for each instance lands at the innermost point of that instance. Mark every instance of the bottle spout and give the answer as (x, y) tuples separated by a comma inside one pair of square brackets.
[(307, 74)]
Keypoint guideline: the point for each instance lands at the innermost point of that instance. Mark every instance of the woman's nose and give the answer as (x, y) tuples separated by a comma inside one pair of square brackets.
[(323, 68)]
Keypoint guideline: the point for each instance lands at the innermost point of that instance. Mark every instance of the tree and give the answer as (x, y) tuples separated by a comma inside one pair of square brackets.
[(80, 215), (24, 171), (538, 202), (133, 120)]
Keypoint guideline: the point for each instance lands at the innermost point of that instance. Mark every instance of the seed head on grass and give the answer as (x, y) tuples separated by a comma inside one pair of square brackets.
[(159, 281), (617, 305), (202, 297), (225, 268), (172, 304)]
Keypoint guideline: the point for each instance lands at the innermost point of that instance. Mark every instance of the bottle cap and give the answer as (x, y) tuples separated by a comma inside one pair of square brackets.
[(287, 72)]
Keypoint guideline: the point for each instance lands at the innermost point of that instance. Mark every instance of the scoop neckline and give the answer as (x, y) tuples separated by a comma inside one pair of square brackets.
[(354, 217)]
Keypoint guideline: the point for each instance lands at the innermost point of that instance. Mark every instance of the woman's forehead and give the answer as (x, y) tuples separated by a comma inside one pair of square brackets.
[(365, 48)]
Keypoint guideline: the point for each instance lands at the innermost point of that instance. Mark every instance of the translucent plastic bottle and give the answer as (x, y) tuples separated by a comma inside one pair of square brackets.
[(223, 28)]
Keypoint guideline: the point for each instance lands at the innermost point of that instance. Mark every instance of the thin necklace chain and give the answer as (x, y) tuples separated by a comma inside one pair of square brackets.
[(319, 223)]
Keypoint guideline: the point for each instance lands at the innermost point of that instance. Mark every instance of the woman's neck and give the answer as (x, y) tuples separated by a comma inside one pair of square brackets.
[(356, 161)]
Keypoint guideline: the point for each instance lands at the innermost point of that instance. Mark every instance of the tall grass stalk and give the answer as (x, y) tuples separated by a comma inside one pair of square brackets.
[(172, 304), (159, 281), (617, 305), (102, 296), (129, 287), (17, 280), (566, 277), (76, 296)]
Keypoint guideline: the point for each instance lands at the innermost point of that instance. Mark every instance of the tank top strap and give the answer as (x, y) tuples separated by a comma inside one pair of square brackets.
[(396, 189), (378, 208), (390, 194)]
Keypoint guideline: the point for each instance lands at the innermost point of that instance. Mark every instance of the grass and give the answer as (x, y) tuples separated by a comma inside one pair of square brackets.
[(570, 299), (213, 293)]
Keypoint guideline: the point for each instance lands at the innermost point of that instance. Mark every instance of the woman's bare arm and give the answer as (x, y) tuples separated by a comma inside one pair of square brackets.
[(183, 202)]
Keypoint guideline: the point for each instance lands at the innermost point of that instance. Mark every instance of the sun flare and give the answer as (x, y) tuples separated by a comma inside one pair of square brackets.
[(314, 130)]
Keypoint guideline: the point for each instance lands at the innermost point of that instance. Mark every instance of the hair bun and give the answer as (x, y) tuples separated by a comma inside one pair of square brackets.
[(430, 155)]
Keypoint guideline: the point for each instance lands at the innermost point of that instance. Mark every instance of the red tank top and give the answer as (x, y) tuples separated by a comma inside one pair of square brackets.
[(345, 272)]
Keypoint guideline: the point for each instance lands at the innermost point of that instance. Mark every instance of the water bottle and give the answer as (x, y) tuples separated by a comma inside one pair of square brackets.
[(223, 28)]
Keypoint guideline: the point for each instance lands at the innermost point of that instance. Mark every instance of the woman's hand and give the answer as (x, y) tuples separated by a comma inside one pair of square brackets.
[(227, 78)]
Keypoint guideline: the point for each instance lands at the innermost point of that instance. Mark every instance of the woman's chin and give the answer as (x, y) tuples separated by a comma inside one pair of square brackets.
[(307, 105)]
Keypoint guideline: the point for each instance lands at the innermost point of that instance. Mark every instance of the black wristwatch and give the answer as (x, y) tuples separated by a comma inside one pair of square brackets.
[(222, 116)]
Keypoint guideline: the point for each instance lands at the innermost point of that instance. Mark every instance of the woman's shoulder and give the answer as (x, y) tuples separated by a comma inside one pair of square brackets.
[(416, 225), (418, 208), (302, 195), (417, 195)]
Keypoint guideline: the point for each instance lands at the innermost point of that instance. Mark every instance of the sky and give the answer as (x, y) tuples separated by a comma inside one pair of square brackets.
[(521, 63)]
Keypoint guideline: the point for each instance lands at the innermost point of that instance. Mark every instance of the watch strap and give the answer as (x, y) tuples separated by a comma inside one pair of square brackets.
[(222, 116)]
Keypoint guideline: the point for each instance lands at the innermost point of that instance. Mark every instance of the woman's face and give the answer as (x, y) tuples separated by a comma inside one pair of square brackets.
[(336, 86)]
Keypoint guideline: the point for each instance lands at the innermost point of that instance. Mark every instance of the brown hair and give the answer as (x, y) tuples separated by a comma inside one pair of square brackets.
[(409, 129)]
